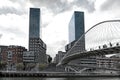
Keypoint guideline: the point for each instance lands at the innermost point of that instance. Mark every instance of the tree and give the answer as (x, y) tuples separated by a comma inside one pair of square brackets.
[(20, 66), (42, 66), (3, 65), (30, 66), (49, 59)]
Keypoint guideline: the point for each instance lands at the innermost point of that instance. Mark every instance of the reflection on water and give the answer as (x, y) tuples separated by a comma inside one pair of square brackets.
[(36, 78)]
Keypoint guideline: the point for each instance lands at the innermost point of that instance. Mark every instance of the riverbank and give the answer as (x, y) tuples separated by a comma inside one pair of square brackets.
[(55, 74)]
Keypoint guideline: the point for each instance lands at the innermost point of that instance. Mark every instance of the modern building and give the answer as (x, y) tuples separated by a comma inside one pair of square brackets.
[(35, 43), (13, 55), (28, 57), (76, 26), (59, 56), (76, 30), (68, 46), (34, 23), (109, 62), (2, 48)]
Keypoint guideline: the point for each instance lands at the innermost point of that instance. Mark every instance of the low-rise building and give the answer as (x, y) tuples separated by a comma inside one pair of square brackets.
[(28, 57), (108, 62), (13, 55), (39, 48), (2, 48), (59, 56)]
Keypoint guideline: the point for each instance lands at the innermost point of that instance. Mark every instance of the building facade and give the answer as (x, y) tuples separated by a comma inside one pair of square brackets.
[(39, 49), (13, 55), (76, 30), (76, 26), (34, 23), (2, 48), (59, 56), (106, 62), (35, 43), (28, 57)]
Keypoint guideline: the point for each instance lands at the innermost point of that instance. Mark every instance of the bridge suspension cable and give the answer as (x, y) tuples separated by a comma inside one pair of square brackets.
[(101, 35)]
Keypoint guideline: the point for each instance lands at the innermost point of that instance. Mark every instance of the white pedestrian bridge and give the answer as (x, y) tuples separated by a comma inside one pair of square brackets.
[(101, 39)]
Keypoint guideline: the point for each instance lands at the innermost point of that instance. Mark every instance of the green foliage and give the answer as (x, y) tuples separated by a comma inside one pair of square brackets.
[(30, 66), (19, 66), (42, 66), (49, 59), (3, 64)]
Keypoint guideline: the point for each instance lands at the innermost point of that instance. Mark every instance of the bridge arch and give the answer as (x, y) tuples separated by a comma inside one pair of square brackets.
[(93, 27), (101, 23)]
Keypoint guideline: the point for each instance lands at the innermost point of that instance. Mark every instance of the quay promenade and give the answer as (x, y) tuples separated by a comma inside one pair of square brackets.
[(54, 74)]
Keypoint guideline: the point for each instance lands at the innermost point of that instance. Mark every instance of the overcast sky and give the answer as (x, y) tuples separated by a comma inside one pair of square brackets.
[(55, 16)]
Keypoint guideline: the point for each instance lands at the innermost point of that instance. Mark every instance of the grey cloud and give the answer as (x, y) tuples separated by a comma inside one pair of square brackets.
[(62, 45), (109, 4), (15, 1), (11, 10), (90, 6), (1, 36), (45, 24), (11, 38), (63, 42), (56, 46), (15, 31), (51, 49), (57, 6)]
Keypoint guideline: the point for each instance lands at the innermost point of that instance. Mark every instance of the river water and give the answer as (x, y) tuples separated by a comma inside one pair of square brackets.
[(99, 78)]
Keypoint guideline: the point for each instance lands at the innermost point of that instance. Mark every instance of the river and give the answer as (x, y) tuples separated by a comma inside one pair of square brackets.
[(36, 78)]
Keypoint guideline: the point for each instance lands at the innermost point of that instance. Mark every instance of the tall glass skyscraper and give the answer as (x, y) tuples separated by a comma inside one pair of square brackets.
[(76, 26), (76, 30), (36, 45), (34, 23)]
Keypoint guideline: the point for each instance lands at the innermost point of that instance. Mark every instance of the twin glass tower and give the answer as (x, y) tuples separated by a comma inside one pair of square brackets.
[(76, 30)]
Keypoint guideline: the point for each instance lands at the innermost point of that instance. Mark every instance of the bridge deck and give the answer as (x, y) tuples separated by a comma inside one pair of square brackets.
[(104, 51), (96, 67)]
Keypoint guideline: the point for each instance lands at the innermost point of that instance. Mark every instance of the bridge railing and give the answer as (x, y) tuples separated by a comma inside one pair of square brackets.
[(115, 44)]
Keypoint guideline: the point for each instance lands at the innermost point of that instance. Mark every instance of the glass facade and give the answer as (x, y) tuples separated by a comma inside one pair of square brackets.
[(36, 45), (34, 23), (76, 26)]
